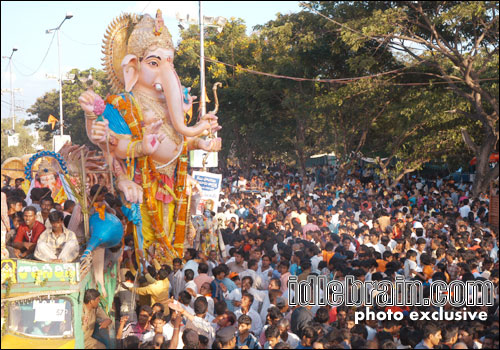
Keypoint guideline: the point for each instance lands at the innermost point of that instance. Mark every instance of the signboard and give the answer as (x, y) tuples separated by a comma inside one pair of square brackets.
[(49, 310), (59, 141), (13, 140), (196, 159), (211, 185), (25, 271)]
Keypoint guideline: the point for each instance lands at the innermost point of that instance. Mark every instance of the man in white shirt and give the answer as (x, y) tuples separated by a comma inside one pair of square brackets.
[(196, 320), (57, 243), (246, 286), (247, 300), (374, 242), (176, 278), (168, 330), (230, 213), (316, 259), (286, 336), (465, 209), (206, 291), (253, 266), (185, 299), (410, 266), (265, 269), (190, 286), (242, 184), (189, 256)]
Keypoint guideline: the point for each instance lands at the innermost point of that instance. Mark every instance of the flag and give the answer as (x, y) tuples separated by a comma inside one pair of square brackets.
[(207, 100), (52, 121), (190, 114)]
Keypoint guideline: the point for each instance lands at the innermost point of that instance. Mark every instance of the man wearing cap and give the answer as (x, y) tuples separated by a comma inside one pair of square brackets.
[(418, 229), (475, 244), (226, 338)]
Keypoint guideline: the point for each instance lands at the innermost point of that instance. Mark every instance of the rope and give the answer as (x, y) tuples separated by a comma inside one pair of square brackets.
[(341, 80), (278, 76)]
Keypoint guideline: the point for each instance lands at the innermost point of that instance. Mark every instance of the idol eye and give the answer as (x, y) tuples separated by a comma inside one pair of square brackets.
[(153, 63)]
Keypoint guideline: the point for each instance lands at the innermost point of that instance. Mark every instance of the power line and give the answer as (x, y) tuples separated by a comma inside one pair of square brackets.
[(342, 80), (25, 66), (78, 42), (144, 9), (43, 60), (16, 107), (338, 80), (278, 76)]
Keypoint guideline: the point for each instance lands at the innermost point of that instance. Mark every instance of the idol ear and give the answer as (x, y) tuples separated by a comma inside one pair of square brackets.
[(130, 66)]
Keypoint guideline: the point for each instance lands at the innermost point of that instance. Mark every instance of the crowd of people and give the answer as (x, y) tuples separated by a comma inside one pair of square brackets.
[(276, 224)]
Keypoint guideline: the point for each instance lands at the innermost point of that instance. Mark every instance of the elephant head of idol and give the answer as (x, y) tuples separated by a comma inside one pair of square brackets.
[(139, 55)]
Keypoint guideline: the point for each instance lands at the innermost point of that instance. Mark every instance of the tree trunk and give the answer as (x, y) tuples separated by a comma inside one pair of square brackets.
[(484, 174), (383, 168), (341, 173), (400, 176), (247, 164), (299, 148), (301, 160)]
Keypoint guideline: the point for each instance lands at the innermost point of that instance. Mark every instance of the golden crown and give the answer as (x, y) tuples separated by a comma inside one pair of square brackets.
[(131, 34), (45, 168)]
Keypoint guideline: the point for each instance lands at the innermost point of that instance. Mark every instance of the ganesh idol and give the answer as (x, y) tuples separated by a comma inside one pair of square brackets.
[(48, 177), (142, 130)]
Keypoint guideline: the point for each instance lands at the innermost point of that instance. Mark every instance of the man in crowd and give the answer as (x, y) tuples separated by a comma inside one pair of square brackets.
[(93, 313), (27, 234), (57, 244), (368, 229)]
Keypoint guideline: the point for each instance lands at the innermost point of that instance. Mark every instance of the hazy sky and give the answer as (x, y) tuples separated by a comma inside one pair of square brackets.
[(24, 24)]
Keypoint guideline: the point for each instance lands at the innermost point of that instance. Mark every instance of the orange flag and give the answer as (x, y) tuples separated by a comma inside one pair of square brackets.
[(190, 113), (52, 121)]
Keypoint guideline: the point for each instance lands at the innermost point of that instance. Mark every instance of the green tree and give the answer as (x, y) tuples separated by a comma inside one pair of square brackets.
[(74, 118), (249, 132), (26, 140), (416, 129), (457, 43), (351, 112)]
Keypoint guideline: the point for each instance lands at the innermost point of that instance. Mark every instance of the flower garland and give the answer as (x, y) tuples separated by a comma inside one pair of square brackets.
[(133, 117), (182, 215)]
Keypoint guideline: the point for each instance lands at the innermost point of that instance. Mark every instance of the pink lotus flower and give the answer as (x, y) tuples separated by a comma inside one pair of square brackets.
[(99, 105)]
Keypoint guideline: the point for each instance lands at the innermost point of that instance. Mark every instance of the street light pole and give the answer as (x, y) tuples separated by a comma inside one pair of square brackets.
[(203, 93), (68, 16), (219, 24), (12, 106), (60, 82)]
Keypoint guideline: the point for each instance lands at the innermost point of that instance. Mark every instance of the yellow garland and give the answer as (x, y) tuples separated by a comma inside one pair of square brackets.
[(145, 163)]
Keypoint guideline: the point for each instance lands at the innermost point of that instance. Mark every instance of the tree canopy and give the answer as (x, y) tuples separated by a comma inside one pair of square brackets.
[(405, 83)]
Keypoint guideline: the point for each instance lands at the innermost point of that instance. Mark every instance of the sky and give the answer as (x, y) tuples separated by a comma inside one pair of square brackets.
[(24, 25)]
